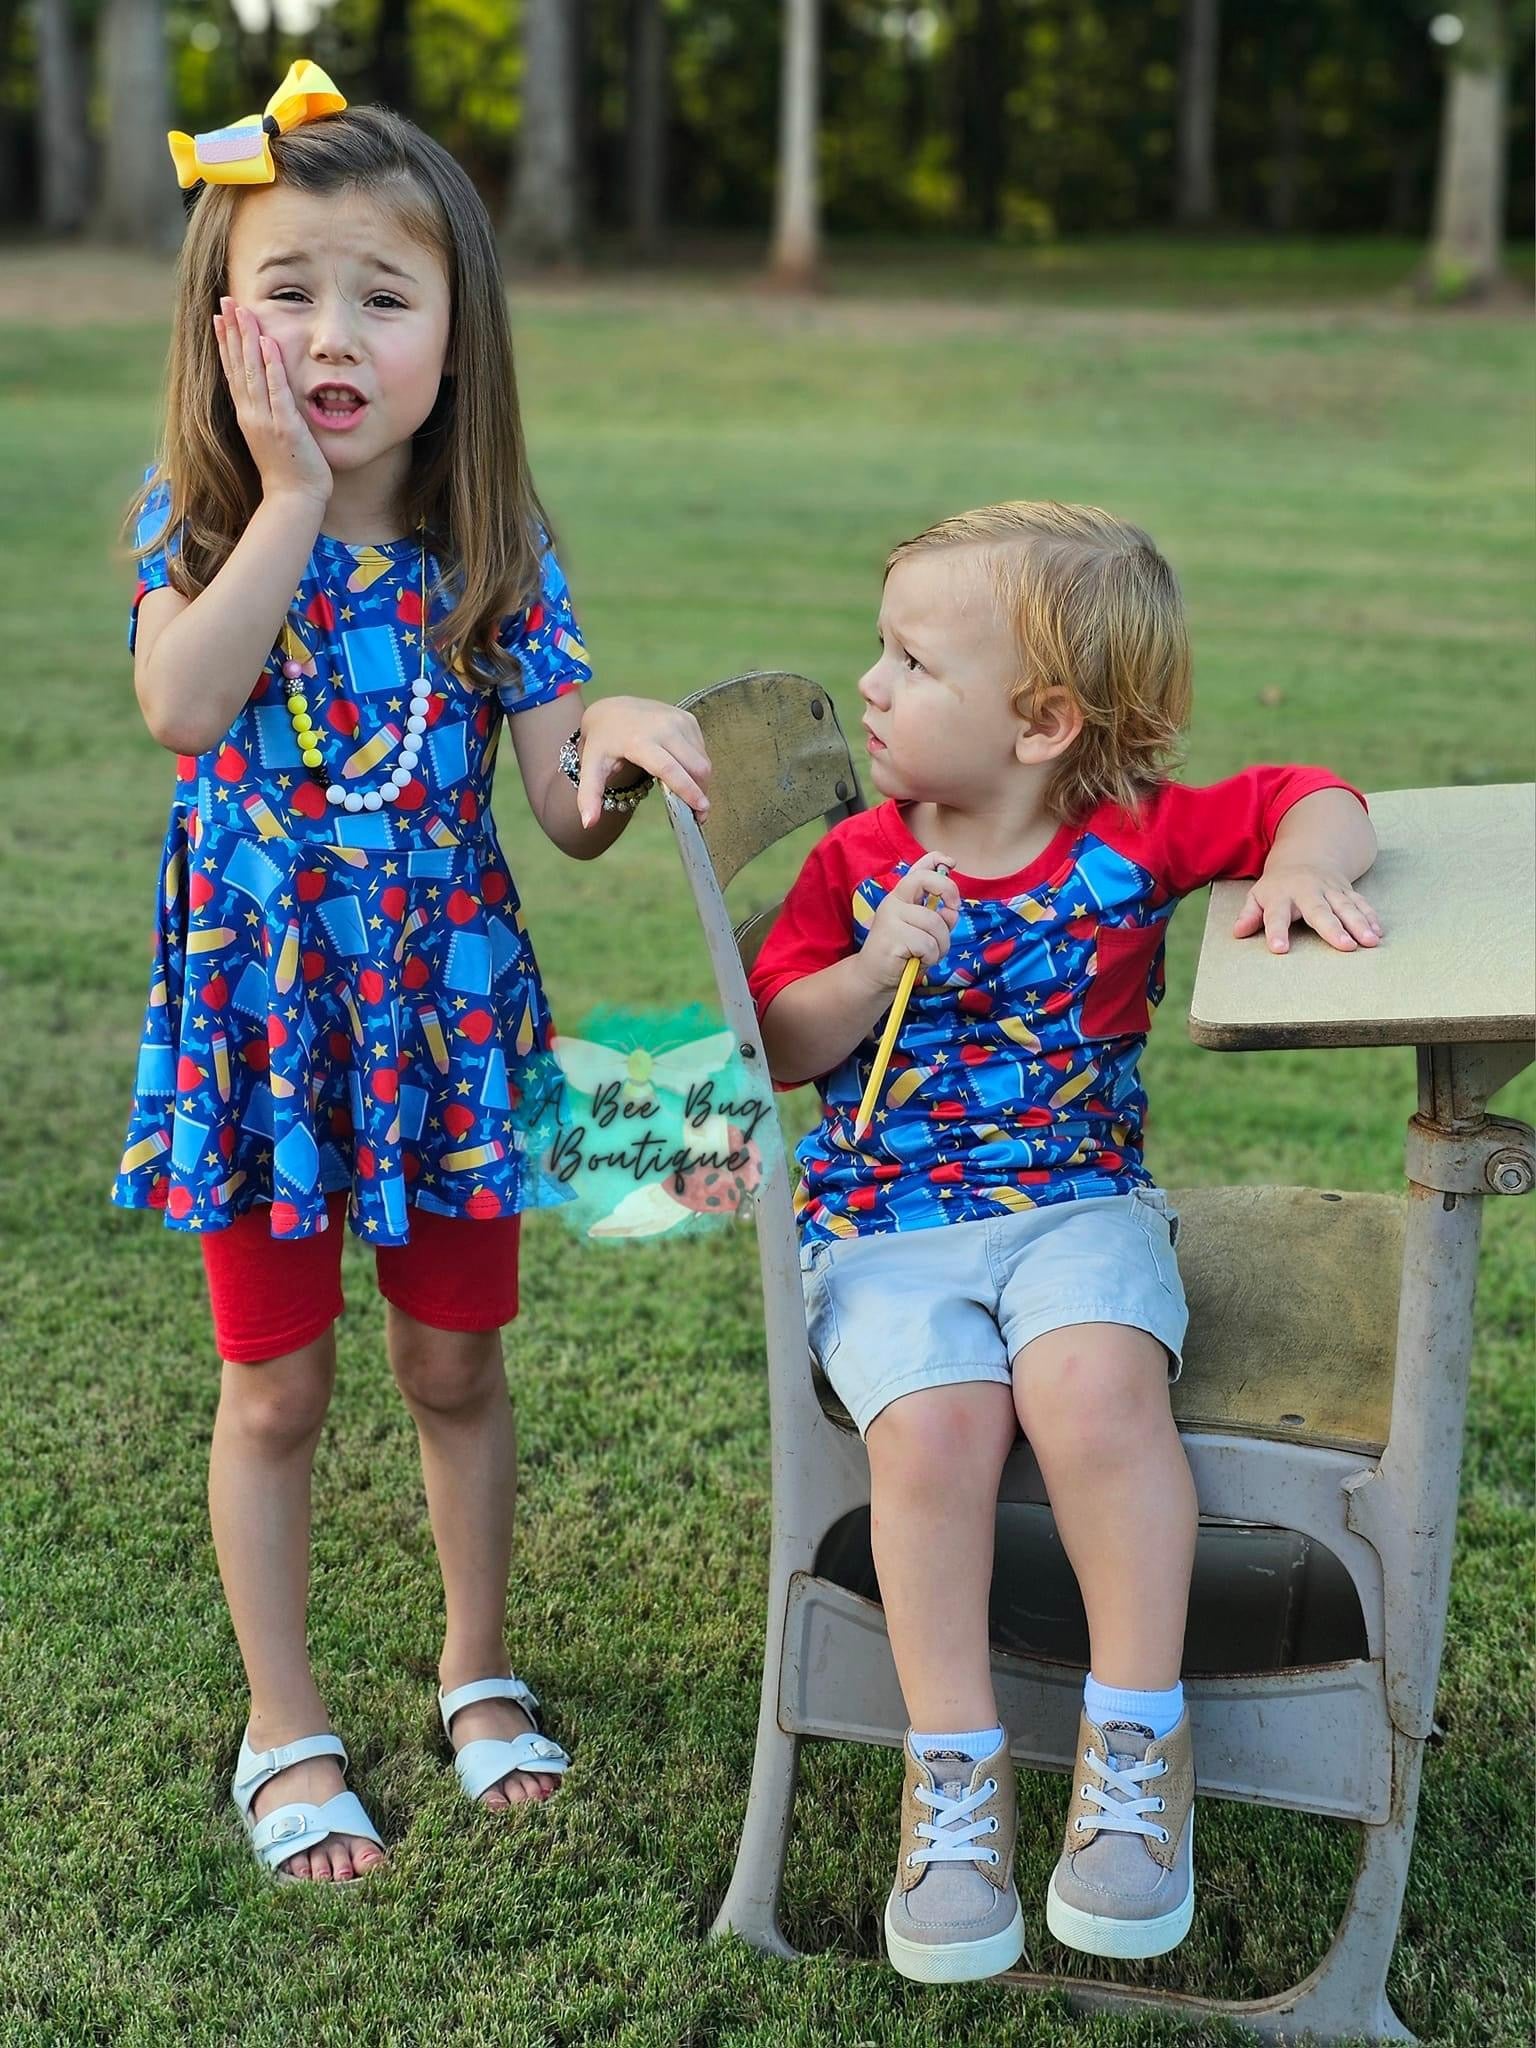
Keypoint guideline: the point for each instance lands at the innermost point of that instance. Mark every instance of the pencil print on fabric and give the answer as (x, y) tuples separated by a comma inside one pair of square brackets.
[(348, 999)]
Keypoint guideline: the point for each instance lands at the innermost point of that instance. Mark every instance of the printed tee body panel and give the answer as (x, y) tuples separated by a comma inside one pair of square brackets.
[(1015, 1078)]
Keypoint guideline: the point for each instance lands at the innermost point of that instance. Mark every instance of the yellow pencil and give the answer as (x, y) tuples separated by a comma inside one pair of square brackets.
[(887, 1046)]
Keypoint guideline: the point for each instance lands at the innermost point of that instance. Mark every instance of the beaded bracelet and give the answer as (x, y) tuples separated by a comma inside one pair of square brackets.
[(624, 798)]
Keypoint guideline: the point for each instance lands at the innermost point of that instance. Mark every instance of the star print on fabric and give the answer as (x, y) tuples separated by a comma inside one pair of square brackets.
[(966, 1130), (290, 937)]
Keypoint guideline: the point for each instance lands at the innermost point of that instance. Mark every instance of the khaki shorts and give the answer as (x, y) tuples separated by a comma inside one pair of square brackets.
[(902, 1310)]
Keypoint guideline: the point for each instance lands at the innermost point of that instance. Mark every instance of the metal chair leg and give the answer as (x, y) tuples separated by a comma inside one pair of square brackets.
[(750, 1907), (1345, 1997)]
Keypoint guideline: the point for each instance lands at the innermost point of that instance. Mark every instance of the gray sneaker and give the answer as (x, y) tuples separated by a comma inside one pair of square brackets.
[(953, 1914), (1125, 1884)]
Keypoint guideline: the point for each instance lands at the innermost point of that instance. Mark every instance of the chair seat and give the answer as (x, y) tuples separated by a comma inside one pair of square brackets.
[(1292, 1315)]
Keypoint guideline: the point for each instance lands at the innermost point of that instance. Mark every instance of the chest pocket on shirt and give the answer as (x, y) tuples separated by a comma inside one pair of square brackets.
[(1115, 1005)]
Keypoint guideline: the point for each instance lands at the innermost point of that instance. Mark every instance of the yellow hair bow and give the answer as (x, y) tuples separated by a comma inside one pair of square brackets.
[(241, 154)]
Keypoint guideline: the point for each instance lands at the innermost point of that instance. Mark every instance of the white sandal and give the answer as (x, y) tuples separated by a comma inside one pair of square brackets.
[(291, 1830), (482, 1763)]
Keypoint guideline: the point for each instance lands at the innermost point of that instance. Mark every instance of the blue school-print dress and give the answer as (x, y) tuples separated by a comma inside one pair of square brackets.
[(348, 1000)]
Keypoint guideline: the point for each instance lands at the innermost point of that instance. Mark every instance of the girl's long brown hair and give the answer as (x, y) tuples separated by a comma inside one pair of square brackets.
[(469, 478)]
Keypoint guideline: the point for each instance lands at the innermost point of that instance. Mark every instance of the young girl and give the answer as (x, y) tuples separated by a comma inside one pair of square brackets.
[(345, 1020), (1032, 681)]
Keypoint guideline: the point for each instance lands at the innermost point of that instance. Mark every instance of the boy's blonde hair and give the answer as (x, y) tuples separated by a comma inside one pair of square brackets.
[(1094, 611), (469, 476)]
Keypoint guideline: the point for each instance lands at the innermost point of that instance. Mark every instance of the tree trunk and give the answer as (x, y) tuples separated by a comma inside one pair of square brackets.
[(63, 131), (543, 218), (647, 120), (983, 138), (272, 43), (1405, 203), (392, 80), (1198, 53), (914, 97), (796, 224), (1466, 245), (18, 133), (139, 201), (1285, 160)]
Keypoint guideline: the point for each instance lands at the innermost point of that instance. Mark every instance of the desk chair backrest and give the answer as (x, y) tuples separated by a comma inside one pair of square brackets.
[(777, 747)]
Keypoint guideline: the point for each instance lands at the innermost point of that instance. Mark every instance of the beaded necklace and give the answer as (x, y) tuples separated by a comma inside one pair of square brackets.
[(380, 746)]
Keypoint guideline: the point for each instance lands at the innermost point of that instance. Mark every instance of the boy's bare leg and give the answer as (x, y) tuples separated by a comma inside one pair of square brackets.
[(1093, 1401), (935, 1459), (264, 1436)]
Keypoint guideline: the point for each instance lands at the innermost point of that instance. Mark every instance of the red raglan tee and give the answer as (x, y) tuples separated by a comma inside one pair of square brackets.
[(1014, 1081)]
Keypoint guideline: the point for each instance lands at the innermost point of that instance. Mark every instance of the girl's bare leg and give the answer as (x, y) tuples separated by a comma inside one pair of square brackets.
[(454, 1383), (264, 1437)]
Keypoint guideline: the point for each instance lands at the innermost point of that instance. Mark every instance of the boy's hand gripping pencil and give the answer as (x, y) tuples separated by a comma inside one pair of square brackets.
[(892, 1026)]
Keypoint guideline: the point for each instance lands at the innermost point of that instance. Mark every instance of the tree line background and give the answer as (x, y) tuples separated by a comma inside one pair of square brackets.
[(656, 122)]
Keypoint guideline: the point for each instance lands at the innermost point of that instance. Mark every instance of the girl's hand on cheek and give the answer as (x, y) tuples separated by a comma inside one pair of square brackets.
[(288, 458)]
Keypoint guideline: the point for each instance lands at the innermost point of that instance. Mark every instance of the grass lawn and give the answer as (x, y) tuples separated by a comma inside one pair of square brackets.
[(1346, 494)]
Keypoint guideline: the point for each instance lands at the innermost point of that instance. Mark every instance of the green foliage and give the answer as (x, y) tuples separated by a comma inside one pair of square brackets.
[(1013, 119), (1449, 282)]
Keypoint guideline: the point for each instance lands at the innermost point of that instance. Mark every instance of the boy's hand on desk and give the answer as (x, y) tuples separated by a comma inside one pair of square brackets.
[(1304, 892), (629, 733)]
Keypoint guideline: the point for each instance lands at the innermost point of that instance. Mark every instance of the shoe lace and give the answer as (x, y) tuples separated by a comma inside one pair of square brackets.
[(1123, 1804), (951, 1836)]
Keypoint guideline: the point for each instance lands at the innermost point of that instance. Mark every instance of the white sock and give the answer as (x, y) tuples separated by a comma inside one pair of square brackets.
[(1159, 1711), (974, 1743)]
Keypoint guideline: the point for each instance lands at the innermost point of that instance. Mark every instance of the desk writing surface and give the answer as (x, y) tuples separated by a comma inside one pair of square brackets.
[(1454, 884)]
